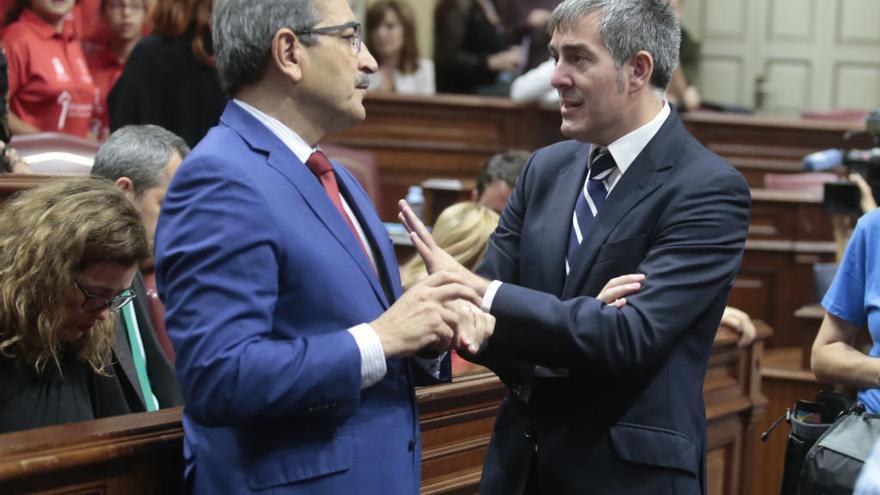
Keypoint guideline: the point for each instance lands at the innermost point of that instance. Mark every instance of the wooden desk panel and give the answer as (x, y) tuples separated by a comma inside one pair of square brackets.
[(142, 453)]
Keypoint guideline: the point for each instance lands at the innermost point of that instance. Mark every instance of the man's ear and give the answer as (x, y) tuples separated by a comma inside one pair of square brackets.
[(641, 67), (125, 185), (287, 54)]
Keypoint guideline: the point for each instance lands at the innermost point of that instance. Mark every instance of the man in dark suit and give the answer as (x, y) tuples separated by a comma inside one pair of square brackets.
[(607, 399), (280, 284), (140, 160)]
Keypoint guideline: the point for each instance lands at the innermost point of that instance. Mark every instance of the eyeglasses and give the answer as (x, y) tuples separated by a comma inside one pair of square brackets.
[(133, 6), (354, 38), (94, 302)]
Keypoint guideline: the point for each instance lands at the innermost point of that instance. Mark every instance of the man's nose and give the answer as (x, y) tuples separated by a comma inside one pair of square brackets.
[(366, 62)]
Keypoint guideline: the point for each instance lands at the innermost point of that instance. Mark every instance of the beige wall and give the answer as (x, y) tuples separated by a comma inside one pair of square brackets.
[(424, 10)]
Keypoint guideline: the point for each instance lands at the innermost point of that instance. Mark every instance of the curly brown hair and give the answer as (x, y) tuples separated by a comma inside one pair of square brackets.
[(46, 235)]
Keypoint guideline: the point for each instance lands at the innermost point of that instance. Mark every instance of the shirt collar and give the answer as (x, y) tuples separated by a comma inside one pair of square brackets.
[(43, 28), (627, 148), (292, 140)]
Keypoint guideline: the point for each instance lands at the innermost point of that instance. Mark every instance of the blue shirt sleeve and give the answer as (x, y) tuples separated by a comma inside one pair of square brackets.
[(845, 298)]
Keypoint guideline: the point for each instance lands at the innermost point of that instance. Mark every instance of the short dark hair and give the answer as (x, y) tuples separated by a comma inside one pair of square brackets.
[(505, 166)]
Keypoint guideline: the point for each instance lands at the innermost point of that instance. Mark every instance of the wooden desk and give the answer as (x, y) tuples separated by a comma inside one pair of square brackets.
[(142, 453)]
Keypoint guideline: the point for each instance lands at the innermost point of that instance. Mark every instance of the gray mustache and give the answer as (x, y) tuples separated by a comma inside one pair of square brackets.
[(362, 82)]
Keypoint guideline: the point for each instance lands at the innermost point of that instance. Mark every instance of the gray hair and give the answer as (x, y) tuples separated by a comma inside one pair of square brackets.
[(505, 166), (139, 152), (243, 31), (628, 26)]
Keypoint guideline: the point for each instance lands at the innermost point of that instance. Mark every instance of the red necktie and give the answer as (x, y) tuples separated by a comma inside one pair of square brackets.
[(320, 166)]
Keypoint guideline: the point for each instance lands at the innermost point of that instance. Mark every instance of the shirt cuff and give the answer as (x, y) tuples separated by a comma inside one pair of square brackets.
[(373, 366), (430, 365), (489, 296)]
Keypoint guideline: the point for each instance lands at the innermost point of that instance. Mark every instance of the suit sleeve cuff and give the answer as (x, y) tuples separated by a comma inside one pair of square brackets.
[(489, 296), (373, 366)]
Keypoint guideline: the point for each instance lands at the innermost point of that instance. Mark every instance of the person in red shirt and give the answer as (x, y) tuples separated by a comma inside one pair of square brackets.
[(50, 87), (125, 18)]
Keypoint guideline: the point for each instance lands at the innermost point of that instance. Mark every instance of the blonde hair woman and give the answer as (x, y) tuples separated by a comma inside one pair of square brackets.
[(463, 231), (68, 253)]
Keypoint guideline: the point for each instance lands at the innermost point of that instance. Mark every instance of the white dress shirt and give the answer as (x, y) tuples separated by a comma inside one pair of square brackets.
[(624, 151)]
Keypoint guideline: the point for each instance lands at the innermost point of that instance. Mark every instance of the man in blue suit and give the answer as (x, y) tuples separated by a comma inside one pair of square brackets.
[(607, 399), (280, 285)]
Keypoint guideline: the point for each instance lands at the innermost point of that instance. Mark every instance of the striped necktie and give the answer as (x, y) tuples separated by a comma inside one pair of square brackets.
[(589, 201)]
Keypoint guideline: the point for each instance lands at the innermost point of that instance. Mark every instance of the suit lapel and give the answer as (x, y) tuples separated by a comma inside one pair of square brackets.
[(377, 237), (640, 180), (288, 165), (122, 351), (568, 185)]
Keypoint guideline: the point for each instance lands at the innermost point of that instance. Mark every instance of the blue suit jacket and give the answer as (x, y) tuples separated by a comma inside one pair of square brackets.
[(261, 277), (629, 417)]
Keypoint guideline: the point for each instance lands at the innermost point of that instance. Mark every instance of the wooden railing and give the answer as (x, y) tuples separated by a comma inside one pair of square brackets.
[(142, 453)]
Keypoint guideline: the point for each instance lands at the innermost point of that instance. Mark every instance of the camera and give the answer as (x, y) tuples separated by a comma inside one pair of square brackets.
[(844, 196)]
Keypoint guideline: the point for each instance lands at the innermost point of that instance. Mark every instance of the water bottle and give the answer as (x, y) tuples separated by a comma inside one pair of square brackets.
[(416, 201)]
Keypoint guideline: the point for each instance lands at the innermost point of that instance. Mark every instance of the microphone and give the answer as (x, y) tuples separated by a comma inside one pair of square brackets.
[(823, 160)]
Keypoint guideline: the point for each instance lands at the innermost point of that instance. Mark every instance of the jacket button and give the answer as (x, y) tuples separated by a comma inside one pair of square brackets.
[(517, 390), (412, 444)]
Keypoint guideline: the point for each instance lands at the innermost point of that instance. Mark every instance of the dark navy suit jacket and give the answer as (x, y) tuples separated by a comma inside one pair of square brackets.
[(261, 277), (629, 416)]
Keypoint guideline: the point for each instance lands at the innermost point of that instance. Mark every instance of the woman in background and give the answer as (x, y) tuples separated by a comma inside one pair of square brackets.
[(50, 87), (471, 49), (391, 37), (851, 304), (170, 79), (125, 21), (68, 254)]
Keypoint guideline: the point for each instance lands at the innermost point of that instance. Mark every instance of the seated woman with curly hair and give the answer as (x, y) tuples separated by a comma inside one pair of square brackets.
[(68, 253)]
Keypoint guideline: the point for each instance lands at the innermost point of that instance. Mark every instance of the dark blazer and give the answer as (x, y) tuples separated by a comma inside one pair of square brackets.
[(261, 277), (162, 380), (163, 83), (629, 416)]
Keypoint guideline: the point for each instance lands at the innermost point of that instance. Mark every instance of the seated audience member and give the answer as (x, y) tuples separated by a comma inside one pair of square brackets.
[(125, 20), (69, 251), (140, 160), (851, 304), (471, 50), (497, 177), (526, 21), (50, 88), (463, 231), (169, 78), (391, 37), (535, 85)]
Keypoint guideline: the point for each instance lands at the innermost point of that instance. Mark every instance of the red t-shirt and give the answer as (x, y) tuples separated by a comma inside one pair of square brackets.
[(105, 68), (49, 82), (89, 25)]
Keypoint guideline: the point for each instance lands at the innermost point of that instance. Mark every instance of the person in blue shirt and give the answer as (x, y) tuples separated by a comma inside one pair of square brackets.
[(852, 302)]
